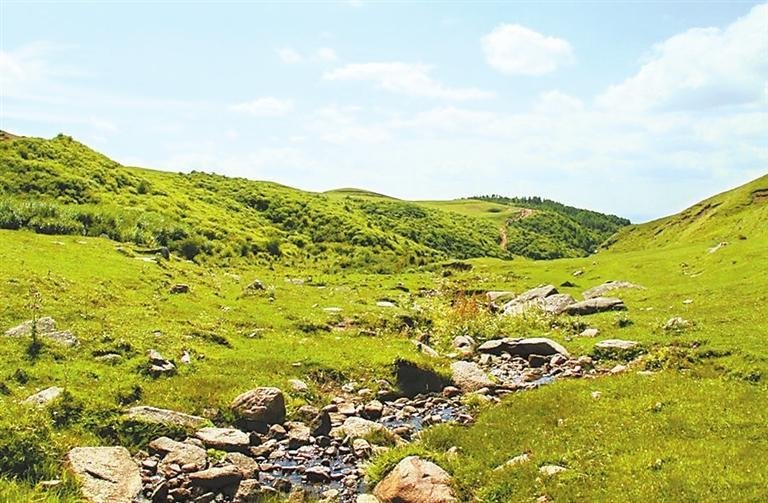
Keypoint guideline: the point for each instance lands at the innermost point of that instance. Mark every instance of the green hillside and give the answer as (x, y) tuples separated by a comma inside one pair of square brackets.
[(60, 186), (737, 214)]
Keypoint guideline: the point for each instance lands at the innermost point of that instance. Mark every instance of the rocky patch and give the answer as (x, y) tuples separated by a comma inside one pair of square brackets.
[(44, 327), (106, 474)]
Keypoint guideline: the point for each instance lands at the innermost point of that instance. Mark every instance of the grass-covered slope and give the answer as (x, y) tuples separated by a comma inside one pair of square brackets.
[(738, 214), (60, 186), (539, 228)]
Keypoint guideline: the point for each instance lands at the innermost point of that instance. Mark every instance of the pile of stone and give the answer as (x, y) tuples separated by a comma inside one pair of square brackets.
[(546, 299)]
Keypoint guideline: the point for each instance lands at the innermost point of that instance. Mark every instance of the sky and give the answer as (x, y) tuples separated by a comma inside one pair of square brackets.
[(638, 109)]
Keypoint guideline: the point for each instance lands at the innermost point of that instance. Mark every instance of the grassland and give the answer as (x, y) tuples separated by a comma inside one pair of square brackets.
[(694, 430)]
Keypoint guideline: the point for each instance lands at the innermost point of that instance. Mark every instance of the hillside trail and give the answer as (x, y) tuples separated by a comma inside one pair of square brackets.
[(503, 236)]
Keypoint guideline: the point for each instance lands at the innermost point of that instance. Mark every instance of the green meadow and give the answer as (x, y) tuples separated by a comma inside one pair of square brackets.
[(285, 284)]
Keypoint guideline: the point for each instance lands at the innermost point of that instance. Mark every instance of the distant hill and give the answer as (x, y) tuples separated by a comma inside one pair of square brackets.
[(60, 186), (740, 213)]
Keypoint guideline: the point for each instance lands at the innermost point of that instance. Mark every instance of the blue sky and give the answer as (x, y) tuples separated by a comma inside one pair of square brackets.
[(639, 109)]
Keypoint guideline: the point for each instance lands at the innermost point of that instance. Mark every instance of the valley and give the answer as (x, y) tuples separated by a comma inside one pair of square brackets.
[(184, 292)]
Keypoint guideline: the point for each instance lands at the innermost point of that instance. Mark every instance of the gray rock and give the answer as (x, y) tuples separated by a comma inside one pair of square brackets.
[(261, 405), (468, 376), (523, 347), (550, 470), (356, 427), (362, 448), (589, 332), (45, 328), (601, 290), (298, 434), (596, 305), (463, 342), (178, 453), (165, 417), (249, 491), (105, 474), (539, 292), (224, 439), (616, 345), (216, 478), (158, 365), (247, 465), (44, 397), (677, 323), (298, 385)]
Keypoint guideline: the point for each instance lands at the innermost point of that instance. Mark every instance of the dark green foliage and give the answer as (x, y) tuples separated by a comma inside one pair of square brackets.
[(26, 448)]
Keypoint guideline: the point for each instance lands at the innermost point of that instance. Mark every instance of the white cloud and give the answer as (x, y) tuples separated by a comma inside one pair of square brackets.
[(264, 107), (290, 56), (701, 68), (404, 78), (340, 124), (326, 54), (513, 49)]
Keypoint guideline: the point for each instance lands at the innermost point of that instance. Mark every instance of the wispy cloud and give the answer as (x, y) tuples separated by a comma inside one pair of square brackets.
[(405, 78), (701, 68), (513, 49), (264, 107)]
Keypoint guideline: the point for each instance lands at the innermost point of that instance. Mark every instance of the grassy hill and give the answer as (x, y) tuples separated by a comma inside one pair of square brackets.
[(734, 215), (60, 186)]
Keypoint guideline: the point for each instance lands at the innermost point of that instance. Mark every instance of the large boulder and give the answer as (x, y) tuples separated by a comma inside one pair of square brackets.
[(539, 292), (166, 417), (523, 347), (106, 474), (260, 406), (468, 376), (415, 480), (596, 305), (601, 290)]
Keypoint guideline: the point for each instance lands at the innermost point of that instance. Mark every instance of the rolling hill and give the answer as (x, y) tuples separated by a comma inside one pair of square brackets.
[(60, 186)]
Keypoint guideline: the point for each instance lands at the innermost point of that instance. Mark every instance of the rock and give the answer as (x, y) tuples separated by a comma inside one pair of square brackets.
[(224, 439), (589, 332), (549, 470), (318, 474), (320, 425), (179, 288), (298, 386), (426, 349), (216, 478), (451, 391), (247, 465), (255, 286), (249, 491), (517, 460), (618, 369), (556, 304), (44, 397), (158, 365), (415, 480), (413, 379), (616, 344), (165, 417), (356, 427), (366, 498), (298, 435), (540, 292), (494, 296), (596, 395), (261, 406), (523, 347), (464, 343), (578, 272), (372, 410), (45, 328), (361, 448), (676, 323), (601, 290), (106, 474), (109, 358), (596, 305), (536, 361), (385, 303), (178, 453), (468, 376)]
